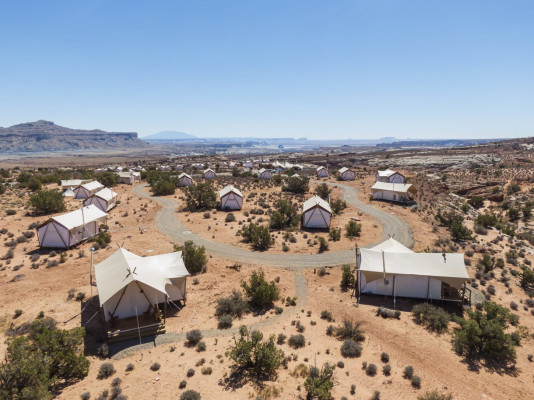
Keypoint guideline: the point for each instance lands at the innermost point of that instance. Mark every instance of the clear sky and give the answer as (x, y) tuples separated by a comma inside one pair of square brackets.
[(290, 68)]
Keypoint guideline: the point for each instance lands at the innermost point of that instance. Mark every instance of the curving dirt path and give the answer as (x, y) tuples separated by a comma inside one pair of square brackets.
[(168, 224)]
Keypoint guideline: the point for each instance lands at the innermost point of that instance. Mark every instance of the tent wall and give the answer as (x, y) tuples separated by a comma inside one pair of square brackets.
[(131, 299), (99, 202), (185, 181), (209, 175), (81, 193), (322, 173), (231, 201), (53, 235), (265, 175), (348, 176), (176, 291), (78, 235), (390, 195), (316, 218), (405, 286)]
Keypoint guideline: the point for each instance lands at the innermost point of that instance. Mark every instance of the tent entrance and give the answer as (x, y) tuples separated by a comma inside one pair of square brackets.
[(132, 328)]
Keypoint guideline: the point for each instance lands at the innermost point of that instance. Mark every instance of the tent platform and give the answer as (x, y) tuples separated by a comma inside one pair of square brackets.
[(128, 328)]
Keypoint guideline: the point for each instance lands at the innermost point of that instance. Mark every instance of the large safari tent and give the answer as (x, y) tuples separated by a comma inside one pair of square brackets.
[(399, 192), (134, 291), (231, 198), (392, 269), (316, 213), (66, 230), (104, 199), (87, 189)]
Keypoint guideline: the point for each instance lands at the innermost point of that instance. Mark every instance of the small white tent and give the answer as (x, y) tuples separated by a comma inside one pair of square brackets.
[(66, 230), (71, 182), (346, 174), (316, 213), (390, 176), (87, 189), (322, 172), (231, 198), (394, 270), (392, 191), (129, 177), (129, 284), (185, 180), (209, 174), (104, 199), (264, 174), (69, 192)]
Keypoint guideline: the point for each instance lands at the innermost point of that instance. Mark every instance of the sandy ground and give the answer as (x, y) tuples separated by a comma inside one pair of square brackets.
[(132, 225)]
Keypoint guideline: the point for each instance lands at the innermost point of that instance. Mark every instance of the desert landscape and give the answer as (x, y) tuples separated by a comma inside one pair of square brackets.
[(312, 301)]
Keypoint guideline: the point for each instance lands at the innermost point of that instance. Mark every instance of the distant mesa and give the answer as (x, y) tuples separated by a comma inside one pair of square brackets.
[(169, 136), (45, 136)]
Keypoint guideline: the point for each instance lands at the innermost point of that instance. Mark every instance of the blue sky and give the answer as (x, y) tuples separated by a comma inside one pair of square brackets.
[(292, 68)]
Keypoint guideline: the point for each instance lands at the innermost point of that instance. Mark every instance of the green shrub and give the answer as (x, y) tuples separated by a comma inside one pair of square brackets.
[(252, 354), (195, 258), (298, 184), (335, 234), (230, 217), (353, 229), (476, 202), (260, 293), (47, 202), (323, 191), (323, 245), (258, 235), (434, 395), (483, 334), (371, 370), (348, 276), (193, 337), (386, 370), (103, 238), (163, 188), (327, 315), (200, 196), (337, 205), (384, 357), (190, 395), (285, 215), (155, 367), (460, 232), (408, 372), (281, 338), (105, 371), (416, 381), (225, 322), (319, 385), (433, 318)]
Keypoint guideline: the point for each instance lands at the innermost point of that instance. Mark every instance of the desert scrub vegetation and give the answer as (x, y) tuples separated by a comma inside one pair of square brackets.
[(285, 215), (434, 318), (47, 202), (252, 355), (482, 335), (434, 395), (200, 197), (348, 277), (234, 305), (260, 293), (190, 395), (353, 229), (351, 349), (349, 330), (387, 313), (106, 370), (193, 337), (195, 258), (319, 383), (225, 322), (297, 341), (258, 235), (35, 363)]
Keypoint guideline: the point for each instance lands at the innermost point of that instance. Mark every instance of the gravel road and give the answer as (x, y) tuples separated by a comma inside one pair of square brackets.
[(168, 224)]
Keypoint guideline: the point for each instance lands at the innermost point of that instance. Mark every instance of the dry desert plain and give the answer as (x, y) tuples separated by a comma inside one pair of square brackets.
[(134, 224)]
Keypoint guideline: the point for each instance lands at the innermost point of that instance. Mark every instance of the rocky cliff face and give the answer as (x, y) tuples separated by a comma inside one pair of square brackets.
[(46, 136)]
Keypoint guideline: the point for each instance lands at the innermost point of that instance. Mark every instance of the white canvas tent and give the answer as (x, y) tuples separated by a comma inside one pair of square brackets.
[(104, 199), (129, 285), (209, 174), (87, 189), (264, 174), (391, 269), (322, 172), (231, 198), (316, 213), (72, 182), (390, 176), (69, 192), (129, 177), (392, 191), (66, 230), (346, 174), (185, 180)]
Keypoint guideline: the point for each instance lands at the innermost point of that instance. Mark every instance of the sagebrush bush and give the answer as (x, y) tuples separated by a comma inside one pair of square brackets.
[(434, 395), (155, 367), (190, 395), (225, 322), (351, 349), (384, 357), (297, 341), (130, 367), (371, 370), (416, 381), (105, 371), (190, 372), (433, 318), (281, 339), (193, 337), (386, 370), (350, 330), (327, 315), (408, 372)]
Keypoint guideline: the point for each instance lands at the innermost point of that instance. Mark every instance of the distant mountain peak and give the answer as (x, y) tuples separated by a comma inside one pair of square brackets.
[(170, 135)]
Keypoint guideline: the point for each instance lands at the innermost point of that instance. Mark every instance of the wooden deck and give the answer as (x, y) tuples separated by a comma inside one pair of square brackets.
[(128, 328)]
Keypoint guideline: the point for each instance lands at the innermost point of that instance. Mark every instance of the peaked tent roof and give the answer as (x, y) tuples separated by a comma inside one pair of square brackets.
[(208, 170), (68, 192), (344, 169), (394, 187), (106, 194), (391, 245), (71, 182), (316, 201), (77, 218), (387, 172), (93, 185), (183, 174), (320, 168), (124, 267), (261, 171), (229, 189)]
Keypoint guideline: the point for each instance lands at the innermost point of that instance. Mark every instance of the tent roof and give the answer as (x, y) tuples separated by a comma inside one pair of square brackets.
[(71, 182), (387, 172), (261, 171), (106, 194), (391, 245), (208, 170), (128, 174), (78, 217), (316, 201), (93, 185), (344, 169), (183, 174), (422, 264), (68, 193), (320, 168), (229, 189), (394, 187), (124, 267)]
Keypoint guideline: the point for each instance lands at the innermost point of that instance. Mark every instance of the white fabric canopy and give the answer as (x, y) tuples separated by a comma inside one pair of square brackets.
[(393, 187), (229, 189), (106, 194), (386, 173), (80, 217), (93, 185), (123, 267), (316, 201)]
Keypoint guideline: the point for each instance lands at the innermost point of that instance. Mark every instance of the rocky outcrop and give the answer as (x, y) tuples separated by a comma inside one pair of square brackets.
[(45, 136)]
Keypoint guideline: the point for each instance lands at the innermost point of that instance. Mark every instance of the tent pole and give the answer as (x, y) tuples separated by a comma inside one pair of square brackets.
[(428, 289), (138, 329), (394, 294)]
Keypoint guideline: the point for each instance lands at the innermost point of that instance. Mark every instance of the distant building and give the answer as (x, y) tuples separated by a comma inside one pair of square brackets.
[(265, 174), (185, 180), (389, 176), (209, 174), (322, 172), (399, 192), (129, 177)]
